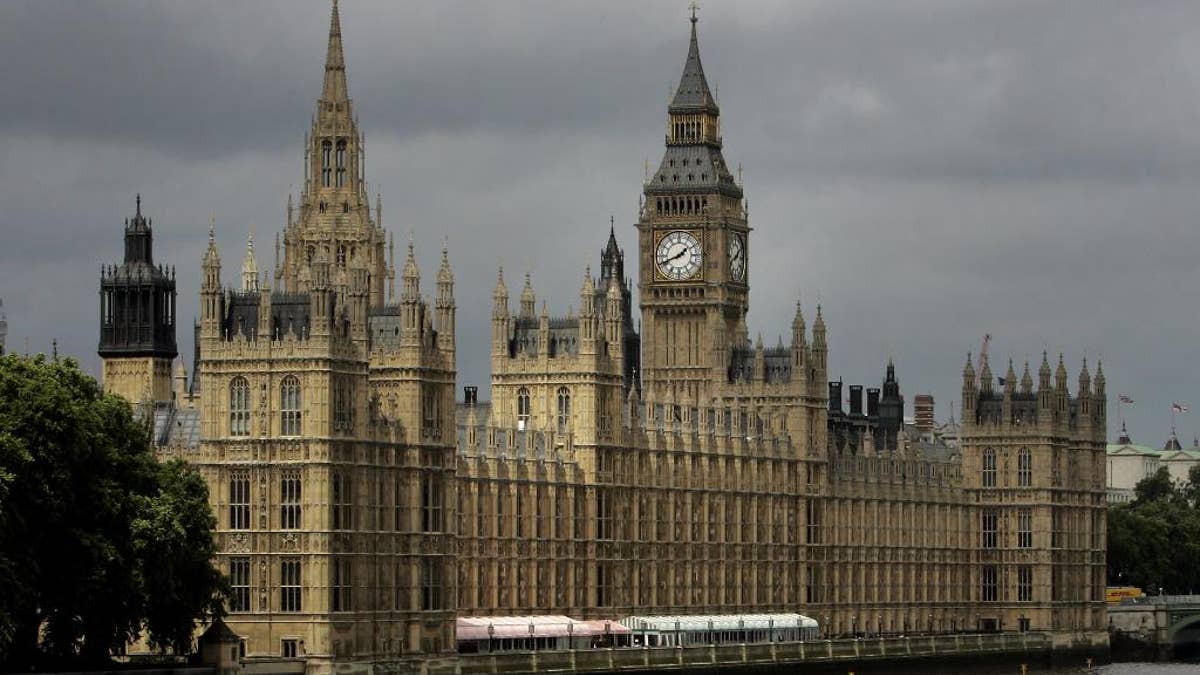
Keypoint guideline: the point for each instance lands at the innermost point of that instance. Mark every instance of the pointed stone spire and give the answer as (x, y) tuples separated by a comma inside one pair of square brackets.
[(445, 275), (501, 291), (528, 299), (250, 266), (211, 255), (1060, 374), (969, 372), (693, 92), (1026, 380), (411, 291), (1044, 373), (1085, 380), (335, 90), (985, 376), (1099, 383), (1010, 379)]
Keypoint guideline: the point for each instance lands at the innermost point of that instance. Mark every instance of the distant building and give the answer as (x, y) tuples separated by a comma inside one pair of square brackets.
[(1128, 463), (923, 412)]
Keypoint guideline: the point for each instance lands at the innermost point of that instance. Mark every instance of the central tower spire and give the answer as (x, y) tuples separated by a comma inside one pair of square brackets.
[(335, 215), (335, 63)]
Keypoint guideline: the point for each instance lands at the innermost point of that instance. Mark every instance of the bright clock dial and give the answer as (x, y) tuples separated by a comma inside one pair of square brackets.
[(679, 255)]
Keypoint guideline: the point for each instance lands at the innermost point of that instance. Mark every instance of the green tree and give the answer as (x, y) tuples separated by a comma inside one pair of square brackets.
[(95, 535), (1155, 488), (1192, 491)]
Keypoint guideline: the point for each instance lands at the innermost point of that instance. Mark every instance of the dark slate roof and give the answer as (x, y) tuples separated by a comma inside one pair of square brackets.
[(289, 314), (777, 364), (688, 168), (693, 91)]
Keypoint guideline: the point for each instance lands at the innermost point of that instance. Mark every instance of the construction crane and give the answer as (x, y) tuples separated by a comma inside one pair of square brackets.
[(987, 341)]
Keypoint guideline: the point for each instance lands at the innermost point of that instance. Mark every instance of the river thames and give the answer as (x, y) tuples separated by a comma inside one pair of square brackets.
[(1149, 669)]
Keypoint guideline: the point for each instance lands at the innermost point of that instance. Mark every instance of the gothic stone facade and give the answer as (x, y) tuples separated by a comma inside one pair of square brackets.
[(685, 469)]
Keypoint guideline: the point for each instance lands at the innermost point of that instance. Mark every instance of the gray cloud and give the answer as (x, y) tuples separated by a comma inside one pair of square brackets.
[(929, 170)]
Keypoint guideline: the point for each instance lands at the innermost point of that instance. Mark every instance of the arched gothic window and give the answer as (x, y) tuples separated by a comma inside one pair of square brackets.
[(1024, 468), (239, 407), (989, 468), (326, 165), (564, 408), (341, 163), (522, 407), (289, 407)]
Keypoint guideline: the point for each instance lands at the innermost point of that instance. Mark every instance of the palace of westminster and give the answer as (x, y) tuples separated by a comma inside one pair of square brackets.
[(676, 469)]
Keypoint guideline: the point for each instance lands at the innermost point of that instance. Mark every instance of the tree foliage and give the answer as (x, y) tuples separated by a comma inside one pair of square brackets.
[(99, 543), (1154, 541)]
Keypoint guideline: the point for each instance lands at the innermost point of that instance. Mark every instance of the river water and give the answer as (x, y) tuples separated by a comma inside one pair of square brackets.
[(1150, 669)]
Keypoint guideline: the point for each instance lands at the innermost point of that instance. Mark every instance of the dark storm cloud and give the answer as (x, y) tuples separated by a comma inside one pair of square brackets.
[(928, 170)]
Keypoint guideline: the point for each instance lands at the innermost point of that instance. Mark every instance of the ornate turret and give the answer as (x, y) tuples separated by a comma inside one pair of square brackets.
[(1045, 395), (528, 299), (250, 267), (500, 316), (444, 305), (986, 379), (1026, 380), (137, 318), (1085, 391)]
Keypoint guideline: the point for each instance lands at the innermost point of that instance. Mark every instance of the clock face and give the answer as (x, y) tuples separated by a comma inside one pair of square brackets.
[(679, 255), (737, 257)]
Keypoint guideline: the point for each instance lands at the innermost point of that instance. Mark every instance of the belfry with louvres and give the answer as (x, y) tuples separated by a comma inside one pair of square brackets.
[(677, 468)]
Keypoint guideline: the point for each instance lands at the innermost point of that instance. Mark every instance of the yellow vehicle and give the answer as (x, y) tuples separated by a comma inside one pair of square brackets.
[(1115, 594)]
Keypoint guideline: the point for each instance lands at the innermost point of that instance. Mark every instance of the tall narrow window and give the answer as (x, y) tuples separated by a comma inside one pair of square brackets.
[(989, 468), (326, 167), (431, 584), (289, 585), (522, 408), (341, 588), (239, 407), (343, 502), (989, 529), (397, 503), (341, 403), (1025, 528), (431, 501), (988, 584), (341, 163), (239, 502), (289, 502), (239, 584), (564, 409), (289, 406), (1025, 583), (431, 411), (1024, 468)]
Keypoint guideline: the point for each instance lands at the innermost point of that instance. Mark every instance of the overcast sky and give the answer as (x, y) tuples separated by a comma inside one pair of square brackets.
[(929, 170)]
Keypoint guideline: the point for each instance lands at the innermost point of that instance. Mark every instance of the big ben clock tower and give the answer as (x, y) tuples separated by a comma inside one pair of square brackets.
[(693, 240)]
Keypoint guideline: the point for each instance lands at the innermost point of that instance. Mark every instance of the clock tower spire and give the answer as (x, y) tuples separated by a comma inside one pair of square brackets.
[(693, 236)]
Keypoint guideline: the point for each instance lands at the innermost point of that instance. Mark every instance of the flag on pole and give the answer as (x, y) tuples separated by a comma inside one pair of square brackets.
[(1179, 407), (1124, 398)]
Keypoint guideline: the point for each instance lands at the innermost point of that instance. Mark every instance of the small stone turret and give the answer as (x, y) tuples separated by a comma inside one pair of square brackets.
[(528, 299), (500, 316), (1045, 395), (445, 305), (1026, 381), (250, 267)]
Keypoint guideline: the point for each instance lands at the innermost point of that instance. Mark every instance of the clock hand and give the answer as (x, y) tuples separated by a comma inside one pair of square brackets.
[(677, 255)]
